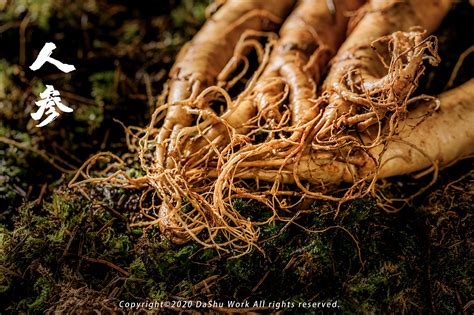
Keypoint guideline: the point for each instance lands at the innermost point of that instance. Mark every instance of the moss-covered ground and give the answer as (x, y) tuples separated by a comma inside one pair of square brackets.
[(74, 251)]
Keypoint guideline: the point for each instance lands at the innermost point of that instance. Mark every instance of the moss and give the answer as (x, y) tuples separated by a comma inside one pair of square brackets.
[(166, 261), (137, 269), (131, 32), (159, 292), (14, 164), (251, 209), (6, 71), (103, 86), (38, 11), (189, 12), (245, 269), (42, 287)]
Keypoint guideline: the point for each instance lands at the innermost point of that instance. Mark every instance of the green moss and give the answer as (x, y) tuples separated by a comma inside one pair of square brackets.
[(38, 11), (131, 32), (38, 86), (245, 272), (135, 172), (251, 209), (190, 11), (137, 268), (92, 115), (42, 287), (14, 164), (165, 261), (318, 250), (103, 89), (6, 71), (159, 292)]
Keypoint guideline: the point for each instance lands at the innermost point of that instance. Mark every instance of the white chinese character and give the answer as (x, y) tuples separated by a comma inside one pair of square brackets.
[(44, 56), (50, 99)]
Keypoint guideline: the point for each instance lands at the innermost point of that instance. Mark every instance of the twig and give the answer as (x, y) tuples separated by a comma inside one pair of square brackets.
[(23, 25), (114, 212), (458, 65), (107, 263)]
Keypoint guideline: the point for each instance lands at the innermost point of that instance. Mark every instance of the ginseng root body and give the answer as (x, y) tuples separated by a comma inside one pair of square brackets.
[(430, 134), (201, 60)]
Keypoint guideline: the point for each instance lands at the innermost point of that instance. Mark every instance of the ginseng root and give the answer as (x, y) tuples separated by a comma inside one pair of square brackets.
[(366, 84), (437, 132), (371, 81), (201, 60), (309, 38), (216, 50)]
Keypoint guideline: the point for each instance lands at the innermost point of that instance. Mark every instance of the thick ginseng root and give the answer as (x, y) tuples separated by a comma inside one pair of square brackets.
[(365, 82), (200, 64), (443, 137), (202, 59), (364, 86), (427, 137), (309, 37)]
